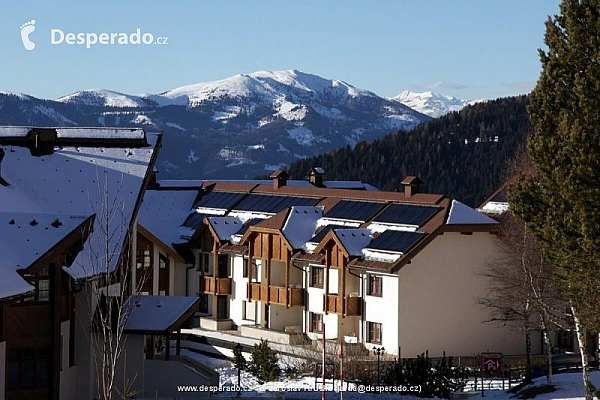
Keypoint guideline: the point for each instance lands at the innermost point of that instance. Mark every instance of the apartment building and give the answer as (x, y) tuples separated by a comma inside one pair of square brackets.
[(385, 269)]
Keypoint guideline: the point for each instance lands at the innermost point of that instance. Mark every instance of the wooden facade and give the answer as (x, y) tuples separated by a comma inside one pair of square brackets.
[(338, 300), (269, 246), (31, 326)]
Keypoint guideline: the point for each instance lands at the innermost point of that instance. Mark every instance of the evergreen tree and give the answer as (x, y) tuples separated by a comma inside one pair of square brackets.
[(264, 363), (559, 202)]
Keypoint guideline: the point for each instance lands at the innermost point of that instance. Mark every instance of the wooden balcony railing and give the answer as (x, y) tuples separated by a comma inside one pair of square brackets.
[(347, 306), (275, 294), (217, 286)]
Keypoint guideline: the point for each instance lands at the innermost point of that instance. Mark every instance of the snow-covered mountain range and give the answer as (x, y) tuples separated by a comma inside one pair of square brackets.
[(432, 104), (241, 126)]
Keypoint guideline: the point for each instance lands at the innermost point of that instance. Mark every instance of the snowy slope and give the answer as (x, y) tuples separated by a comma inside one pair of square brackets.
[(238, 127), (432, 104), (268, 86), (103, 98)]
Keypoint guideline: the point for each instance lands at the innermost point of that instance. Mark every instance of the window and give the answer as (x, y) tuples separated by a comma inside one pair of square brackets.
[(41, 281), (316, 277), (143, 258), (249, 310), (245, 273), (206, 262), (374, 332), (44, 289), (28, 368), (204, 303), (316, 322), (375, 285), (163, 261), (147, 259)]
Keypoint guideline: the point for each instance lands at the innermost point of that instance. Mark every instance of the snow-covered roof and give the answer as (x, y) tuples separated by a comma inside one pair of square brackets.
[(24, 238), (14, 131), (461, 214), (179, 183), (492, 207), (301, 225), (354, 240), (225, 227), (74, 180), (100, 133), (348, 185), (163, 212), (157, 313)]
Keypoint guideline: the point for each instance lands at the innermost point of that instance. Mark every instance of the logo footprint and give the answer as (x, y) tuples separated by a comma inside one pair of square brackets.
[(26, 29)]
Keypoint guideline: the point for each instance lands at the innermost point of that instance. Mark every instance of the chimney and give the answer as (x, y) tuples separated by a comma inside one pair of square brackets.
[(316, 176), (153, 183), (2, 181), (279, 178), (412, 185)]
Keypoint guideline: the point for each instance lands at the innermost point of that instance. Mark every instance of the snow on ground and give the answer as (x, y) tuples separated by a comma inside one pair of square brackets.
[(568, 385), (176, 126), (274, 167), (192, 157), (304, 136), (142, 119), (289, 111)]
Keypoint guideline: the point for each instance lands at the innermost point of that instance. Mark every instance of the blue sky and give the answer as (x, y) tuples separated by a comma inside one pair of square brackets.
[(466, 48)]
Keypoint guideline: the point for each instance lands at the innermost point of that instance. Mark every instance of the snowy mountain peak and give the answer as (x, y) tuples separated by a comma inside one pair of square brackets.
[(261, 85), (103, 98), (429, 103)]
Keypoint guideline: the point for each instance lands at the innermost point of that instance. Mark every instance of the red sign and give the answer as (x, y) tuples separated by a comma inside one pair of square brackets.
[(492, 364)]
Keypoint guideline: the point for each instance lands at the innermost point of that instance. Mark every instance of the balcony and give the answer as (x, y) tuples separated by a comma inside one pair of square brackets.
[(275, 294), (347, 306), (217, 286)]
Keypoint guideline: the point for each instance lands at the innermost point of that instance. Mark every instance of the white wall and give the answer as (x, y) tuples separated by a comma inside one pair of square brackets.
[(84, 368), (2, 369), (439, 292), (314, 304), (277, 273), (130, 365), (238, 291), (280, 317), (383, 310), (177, 280), (193, 282), (333, 280), (67, 374)]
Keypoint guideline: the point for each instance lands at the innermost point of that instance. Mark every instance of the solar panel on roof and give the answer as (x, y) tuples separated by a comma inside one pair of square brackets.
[(406, 214), (248, 224), (194, 220), (272, 204), (354, 210), (396, 241), (319, 236), (219, 200)]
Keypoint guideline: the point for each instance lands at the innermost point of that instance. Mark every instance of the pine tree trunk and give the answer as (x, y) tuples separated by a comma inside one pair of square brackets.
[(580, 330)]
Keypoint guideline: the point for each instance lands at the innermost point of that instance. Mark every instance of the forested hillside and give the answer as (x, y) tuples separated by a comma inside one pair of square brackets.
[(463, 154)]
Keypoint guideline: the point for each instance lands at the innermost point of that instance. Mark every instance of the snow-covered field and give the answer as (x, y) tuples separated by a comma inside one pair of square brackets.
[(568, 385)]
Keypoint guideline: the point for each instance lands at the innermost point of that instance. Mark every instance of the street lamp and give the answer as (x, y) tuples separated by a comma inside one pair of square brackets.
[(238, 359), (378, 351)]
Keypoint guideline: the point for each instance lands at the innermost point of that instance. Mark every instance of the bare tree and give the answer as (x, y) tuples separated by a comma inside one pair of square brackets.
[(523, 290), (111, 292)]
